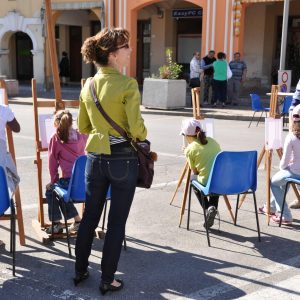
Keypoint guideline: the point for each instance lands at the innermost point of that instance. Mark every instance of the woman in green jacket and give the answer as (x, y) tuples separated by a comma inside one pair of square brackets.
[(111, 160)]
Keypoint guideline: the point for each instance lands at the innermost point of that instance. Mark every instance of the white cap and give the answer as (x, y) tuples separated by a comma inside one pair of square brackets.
[(296, 113), (188, 126)]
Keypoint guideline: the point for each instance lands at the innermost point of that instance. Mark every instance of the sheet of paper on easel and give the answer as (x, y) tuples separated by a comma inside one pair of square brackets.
[(2, 93), (47, 129), (273, 133), (208, 127), (46, 122)]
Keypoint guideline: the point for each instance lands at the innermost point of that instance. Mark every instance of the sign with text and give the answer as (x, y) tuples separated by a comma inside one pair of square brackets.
[(187, 13)]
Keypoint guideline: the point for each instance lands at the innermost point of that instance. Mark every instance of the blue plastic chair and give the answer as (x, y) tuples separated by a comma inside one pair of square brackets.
[(232, 173), (257, 107), (289, 180), (75, 193), (286, 107), (5, 203)]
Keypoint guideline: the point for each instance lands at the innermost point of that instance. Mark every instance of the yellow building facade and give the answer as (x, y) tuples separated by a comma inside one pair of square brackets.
[(252, 27)]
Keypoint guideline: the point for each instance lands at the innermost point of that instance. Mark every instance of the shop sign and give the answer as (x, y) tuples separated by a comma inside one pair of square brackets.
[(187, 13)]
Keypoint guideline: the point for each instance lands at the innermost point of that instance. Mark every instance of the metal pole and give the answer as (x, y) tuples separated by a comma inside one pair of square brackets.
[(284, 34)]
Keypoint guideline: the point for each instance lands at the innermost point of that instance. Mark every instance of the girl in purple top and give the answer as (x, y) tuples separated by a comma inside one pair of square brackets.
[(65, 146)]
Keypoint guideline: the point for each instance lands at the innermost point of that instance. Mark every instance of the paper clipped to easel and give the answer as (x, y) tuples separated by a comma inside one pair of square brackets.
[(2, 96), (208, 127), (273, 133)]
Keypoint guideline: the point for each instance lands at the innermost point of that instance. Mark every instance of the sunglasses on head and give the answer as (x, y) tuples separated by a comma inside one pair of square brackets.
[(126, 46)]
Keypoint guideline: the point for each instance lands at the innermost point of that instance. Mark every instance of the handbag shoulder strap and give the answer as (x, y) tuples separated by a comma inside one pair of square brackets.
[(110, 121), (119, 129)]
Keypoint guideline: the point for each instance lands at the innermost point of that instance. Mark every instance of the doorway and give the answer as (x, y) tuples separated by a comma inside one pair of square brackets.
[(75, 33), (292, 61), (143, 50), (24, 60)]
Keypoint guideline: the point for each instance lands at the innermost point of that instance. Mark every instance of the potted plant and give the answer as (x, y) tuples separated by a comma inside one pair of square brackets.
[(166, 91)]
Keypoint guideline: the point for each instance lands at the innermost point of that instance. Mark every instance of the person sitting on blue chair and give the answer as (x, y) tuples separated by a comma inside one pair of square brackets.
[(289, 167), (296, 100), (7, 118), (64, 147), (200, 153)]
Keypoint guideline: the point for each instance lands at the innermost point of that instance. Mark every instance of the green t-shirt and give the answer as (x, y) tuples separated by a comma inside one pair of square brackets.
[(220, 70), (201, 157)]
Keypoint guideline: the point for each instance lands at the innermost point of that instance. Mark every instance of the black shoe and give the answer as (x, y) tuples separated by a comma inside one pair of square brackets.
[(80, 277), (210, 218), (105, 287)]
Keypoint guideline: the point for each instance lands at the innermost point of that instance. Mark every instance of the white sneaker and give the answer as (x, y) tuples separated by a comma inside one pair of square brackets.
[(57, 228), (74, 226)]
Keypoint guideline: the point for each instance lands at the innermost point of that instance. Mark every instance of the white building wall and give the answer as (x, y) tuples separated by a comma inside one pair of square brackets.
[(11, 23)]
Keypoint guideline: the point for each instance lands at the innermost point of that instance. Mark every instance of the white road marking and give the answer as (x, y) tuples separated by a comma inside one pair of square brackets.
[(253, 277), (30, 157), (24, 137)]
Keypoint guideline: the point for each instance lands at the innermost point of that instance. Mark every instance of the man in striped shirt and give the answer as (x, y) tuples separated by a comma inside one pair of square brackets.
[(239, 70)]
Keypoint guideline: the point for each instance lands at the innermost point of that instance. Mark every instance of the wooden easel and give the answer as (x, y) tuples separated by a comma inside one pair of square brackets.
[(268, 153), (11, 148), (39, 225), (186, 171)]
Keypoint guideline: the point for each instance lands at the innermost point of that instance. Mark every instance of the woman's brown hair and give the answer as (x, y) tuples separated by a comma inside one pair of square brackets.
[(63, 121), (97, 48), (201, 136), (296, 129)]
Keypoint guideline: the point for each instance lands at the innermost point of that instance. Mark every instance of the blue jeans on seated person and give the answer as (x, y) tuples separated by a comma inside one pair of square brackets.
[(211, 201), (118, 170), (278, 184), (56, 215)]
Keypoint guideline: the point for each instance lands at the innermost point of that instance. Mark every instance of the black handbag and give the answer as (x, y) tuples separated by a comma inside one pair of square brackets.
[(145, 156)]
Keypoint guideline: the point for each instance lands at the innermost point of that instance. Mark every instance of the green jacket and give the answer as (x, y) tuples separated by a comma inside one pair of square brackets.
[(120, 98)]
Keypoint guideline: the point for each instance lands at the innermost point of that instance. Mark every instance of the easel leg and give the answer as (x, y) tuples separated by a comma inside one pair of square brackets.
[(228, 207), (269, 163), (185, 168), (296, 191), (186, 188), (261, 155), (20, 217)]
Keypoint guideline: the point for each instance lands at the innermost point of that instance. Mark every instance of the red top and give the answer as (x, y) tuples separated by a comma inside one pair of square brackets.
[(63, 155)]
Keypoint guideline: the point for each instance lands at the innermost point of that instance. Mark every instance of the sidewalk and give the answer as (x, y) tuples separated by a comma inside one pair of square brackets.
[(242, 112)]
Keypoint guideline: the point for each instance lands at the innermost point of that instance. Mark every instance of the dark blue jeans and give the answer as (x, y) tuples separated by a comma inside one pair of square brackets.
[(118, 170), (220, 91), (56, 215)]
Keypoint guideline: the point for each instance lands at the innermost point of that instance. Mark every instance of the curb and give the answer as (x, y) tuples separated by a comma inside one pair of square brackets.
[(175, 113)]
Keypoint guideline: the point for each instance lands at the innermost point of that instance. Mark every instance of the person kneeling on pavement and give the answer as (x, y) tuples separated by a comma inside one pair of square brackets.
[(200, 153)]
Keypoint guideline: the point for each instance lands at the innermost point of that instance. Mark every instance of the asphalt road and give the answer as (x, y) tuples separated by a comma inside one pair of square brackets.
[(162, 261)]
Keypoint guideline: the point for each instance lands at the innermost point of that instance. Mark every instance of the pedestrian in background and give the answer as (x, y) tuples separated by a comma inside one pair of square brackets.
[(239, 70), (220, 80), (207, 66), (111, 159), (195, 70), (64, 68)]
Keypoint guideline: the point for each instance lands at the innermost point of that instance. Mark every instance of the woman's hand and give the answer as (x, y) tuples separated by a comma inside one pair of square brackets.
[(48, 186)]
